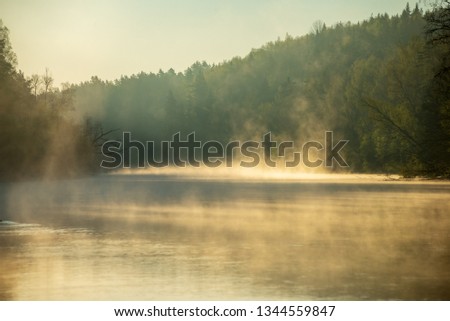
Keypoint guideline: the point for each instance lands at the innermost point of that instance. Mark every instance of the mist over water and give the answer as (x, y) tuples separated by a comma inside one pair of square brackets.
[(163, 235)]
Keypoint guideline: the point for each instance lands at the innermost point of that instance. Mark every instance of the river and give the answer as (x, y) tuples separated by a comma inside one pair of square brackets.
[(188, 237)]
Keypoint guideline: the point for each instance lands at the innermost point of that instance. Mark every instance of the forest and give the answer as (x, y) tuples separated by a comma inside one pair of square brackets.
[(382, 84)]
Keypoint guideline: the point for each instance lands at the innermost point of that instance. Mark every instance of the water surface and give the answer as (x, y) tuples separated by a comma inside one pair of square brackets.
[(168, 237)]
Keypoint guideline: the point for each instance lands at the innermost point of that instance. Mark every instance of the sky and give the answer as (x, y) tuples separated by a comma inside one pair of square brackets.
[(109, 38)]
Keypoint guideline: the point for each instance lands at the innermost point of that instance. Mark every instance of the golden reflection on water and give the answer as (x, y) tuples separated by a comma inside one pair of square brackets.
[(144, 237)]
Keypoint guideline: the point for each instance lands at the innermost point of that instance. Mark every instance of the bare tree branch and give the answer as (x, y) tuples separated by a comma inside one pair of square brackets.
[(391, 122)]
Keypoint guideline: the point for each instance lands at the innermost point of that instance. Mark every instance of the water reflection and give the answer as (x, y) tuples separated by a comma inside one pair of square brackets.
[(139, 237)]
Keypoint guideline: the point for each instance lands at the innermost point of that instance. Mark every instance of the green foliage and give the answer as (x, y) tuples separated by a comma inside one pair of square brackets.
[(373, 83), (36, 137)]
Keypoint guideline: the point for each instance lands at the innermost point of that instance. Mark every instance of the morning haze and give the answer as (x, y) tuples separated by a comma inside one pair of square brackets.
[(80, 39), (358, 91)]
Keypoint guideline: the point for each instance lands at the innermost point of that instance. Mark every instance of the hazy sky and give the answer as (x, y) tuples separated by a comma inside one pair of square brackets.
[(110, 38)]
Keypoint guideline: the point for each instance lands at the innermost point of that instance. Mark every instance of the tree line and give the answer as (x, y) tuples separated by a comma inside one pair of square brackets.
[(38, 138), (382, 84)]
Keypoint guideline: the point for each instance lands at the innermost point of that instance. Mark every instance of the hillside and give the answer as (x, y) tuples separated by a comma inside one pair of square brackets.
[(372, 83), (382, 84)]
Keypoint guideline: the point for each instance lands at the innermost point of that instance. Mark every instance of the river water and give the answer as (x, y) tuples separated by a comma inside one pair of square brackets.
[(171, 237)]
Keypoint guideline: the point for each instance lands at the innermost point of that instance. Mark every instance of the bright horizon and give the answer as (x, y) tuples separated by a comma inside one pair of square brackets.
[(109, 39)]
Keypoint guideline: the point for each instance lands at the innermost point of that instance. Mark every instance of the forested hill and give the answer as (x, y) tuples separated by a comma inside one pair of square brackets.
[(372, 83), (382, 84)]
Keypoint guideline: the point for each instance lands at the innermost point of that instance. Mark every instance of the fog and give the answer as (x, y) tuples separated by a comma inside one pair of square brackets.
[(206, 237), (372, 227)]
